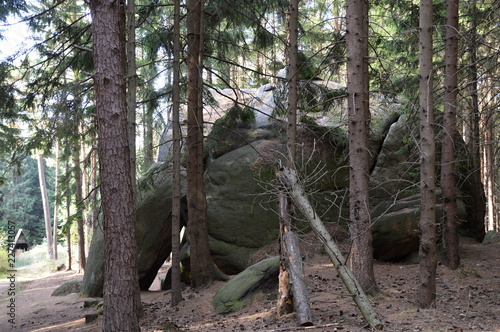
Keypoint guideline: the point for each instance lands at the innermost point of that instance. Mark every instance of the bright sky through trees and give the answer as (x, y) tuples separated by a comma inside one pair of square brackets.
[(14, 37)]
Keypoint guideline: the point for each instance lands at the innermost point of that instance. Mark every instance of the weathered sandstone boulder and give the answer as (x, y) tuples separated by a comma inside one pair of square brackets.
[(154, 227), (260, 278)]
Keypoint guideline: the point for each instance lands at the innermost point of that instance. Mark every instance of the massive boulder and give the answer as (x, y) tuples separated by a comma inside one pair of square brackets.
[(395, 171), (395, 227), (240, 179), (93, 278), (241, 193), (154, 222), (154, 229), (240, 212)]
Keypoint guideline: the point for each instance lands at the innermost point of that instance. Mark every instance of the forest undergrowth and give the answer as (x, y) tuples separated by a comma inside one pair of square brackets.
[(468, 299)]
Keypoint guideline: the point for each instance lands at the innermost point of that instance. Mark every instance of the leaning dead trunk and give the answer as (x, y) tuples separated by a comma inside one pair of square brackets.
[(297, 194), (291, 281), (297, 278)]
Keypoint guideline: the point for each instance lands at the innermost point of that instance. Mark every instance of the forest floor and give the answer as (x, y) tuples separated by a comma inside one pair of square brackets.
[(468, 299)]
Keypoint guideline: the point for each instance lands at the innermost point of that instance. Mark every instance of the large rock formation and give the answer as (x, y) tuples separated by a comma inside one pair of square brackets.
[(154, 227), (395, 227), (240, 213), (396, 170), (93, 278), (240, 175), (242, 200)]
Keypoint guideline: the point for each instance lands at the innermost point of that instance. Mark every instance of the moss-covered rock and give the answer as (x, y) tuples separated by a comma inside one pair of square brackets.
[(93, 278), (395, 172), (491, 237), (153, 226), (230, 258), (241, 219), (396, 227), (261, 277), (72, 286), (154, 223)]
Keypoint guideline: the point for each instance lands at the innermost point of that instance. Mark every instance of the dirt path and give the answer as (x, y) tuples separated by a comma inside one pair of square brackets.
[(467, 300), (36, 310)]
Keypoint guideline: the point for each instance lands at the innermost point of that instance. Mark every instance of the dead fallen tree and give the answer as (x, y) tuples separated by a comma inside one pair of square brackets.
[(297, 193), (293, 275)]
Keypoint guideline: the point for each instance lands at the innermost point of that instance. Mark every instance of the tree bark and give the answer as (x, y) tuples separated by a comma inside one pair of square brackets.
[(94, 198), (297, 278), (292, 47), (147, 123), (120, 271), (290, 179), (478, 196), (79, 207), (176, 161), (45, 203), (131, 90), (427, 250), (56, 188), (489, 168), (68, 225), (85, 195), (202, 269), (131, 99), (448, 181), (284, 304), (291, 268), (361, 257)]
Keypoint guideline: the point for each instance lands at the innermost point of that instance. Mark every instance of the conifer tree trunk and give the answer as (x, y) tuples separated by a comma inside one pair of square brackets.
[(79, 207), (448, 182), (131, 89), (117, 190), (176, 158), (95, 191), (56, 185), (68, 225), (427, 251), (289, 242), (489, 167), (292, 47), (478, 196), (285, 295), (45, 203), (147, 121), (361, 257), (202, 270), (85, 195)]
